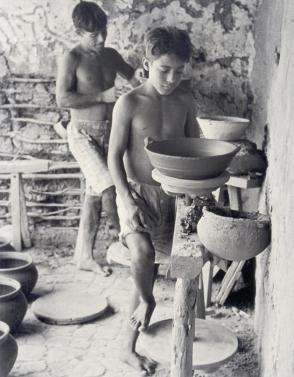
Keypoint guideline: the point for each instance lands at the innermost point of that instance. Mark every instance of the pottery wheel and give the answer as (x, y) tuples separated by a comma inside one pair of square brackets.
[(190, 186), (213, 344), (69, 307)]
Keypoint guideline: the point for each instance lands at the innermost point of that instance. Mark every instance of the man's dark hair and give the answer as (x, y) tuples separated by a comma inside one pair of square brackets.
[(88, 16), (168, 40)]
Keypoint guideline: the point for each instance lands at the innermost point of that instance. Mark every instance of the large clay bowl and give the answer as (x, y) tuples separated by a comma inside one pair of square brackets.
[(8, 350), (191, 158), (233, 235), (222, 127), (13, 303), (19, 266)]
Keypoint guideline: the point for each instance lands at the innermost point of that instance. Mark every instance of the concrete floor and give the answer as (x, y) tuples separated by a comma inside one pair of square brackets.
[(92, 349)]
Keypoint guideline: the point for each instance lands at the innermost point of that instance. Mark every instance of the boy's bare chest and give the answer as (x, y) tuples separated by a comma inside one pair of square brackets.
[(96, 73), (165, 121)]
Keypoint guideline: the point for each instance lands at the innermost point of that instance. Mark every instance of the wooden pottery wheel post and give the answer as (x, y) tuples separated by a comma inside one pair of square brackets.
[(171, 342)]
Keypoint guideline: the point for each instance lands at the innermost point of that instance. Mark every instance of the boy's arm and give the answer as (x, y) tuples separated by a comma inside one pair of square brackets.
[(119, 136), (66, 93), (191, 126), (118, 144)]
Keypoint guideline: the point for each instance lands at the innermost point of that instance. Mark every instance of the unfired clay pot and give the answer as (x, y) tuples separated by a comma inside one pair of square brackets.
[(19, 266), (233, 235), (8, 350), (190, 158), (13, 303)]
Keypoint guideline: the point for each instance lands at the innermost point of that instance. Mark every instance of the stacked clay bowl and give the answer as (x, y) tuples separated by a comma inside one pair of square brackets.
[(8, 350), (19, 266), (233, 235), (190, 158), (13, 303), (223, 127)]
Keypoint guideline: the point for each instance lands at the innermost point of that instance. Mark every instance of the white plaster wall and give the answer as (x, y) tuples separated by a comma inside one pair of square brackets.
[(275, 268)]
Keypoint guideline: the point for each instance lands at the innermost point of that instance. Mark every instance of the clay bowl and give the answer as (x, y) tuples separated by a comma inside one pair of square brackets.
[(19, 266), (8, 350), (222, 127), (233, 235), (190, 158), (13, 303)]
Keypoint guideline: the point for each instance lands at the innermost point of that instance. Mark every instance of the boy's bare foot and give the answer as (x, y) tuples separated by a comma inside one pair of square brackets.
[(141, 317), (140, 363), (92, 265)]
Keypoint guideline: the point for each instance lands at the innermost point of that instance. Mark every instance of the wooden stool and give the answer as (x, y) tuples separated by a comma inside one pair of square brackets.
[(19, 219)]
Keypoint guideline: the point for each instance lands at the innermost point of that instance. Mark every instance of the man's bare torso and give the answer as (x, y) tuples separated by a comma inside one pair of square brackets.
[(94, 73), (161, 117)]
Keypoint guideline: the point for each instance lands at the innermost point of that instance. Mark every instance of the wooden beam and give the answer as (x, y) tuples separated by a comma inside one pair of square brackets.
[(24, 166), (15, 212), (24, 223), (187, 250)]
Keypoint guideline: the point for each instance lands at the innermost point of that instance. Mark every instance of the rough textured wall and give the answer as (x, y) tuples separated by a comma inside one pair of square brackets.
[(275, 295), (33, 32)]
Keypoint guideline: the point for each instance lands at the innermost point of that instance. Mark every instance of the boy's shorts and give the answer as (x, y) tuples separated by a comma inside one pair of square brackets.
[(88, 142), (162, 207)]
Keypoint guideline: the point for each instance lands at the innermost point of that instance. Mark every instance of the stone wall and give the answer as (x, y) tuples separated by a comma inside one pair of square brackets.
[(273, 79)]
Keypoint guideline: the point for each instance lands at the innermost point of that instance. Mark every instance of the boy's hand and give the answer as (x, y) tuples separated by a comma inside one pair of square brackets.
[(139, 220)]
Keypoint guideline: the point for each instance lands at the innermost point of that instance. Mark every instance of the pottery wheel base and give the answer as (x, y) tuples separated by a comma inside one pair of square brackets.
[(213, 345), (189, 186), (69, 307)]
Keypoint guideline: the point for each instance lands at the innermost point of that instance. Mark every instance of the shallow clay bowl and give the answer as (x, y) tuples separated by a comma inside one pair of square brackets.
[(190, 158), (222, 127), (233, 235)]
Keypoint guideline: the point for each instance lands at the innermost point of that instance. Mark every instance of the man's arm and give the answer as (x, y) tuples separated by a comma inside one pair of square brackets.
[(191, 126), (126, 70), (66, 93)]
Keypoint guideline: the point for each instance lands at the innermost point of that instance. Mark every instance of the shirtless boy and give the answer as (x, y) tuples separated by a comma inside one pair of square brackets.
[(161, 110), (85, 84)]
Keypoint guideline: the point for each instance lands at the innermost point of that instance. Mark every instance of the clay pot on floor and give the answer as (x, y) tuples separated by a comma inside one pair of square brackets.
[(8, 350), (233, 235), (13, 303), (19, 266)]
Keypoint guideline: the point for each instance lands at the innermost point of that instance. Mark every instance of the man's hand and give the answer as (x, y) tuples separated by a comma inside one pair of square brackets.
[(107, 96)]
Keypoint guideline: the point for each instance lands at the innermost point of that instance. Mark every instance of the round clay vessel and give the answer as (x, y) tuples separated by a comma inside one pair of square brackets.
[(233, 235), (223, 127), (13, 303), (19, 266), (8, 350), (190, 158)]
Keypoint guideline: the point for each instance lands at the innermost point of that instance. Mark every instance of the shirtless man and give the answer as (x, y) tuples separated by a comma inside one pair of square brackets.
[(159, 109), (85, 84)]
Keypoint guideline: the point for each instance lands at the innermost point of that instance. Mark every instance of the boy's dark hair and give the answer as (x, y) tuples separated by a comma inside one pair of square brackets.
[(88, 16), (168, 40)]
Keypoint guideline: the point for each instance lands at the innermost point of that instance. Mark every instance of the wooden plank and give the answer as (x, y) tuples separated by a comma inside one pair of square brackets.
[(235, 198), (24, 166), (33, 120), (41, 176), (15, 212), (200, 302), (183, 328), (227, 286), (245, 181), (24, 224), (187, 250)]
